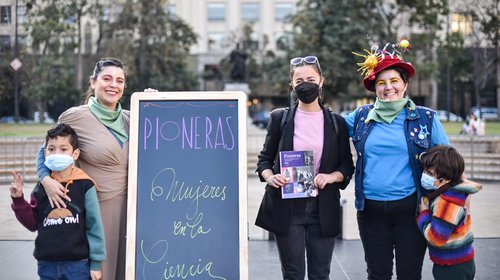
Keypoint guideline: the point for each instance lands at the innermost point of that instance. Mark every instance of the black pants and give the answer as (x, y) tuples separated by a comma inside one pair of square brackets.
[(304, 239), (387, 228), (463, 271)]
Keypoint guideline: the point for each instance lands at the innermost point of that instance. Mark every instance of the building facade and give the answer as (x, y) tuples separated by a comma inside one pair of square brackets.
[(220, 25)]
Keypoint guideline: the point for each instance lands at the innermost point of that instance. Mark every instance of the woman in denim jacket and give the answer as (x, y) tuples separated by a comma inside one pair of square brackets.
[(389, 136)]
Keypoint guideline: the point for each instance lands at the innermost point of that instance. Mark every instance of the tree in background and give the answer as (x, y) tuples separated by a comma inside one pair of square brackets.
[(331, 30), (154, 46), (6, 84), (455, 58), (484, 19), (54, 29)]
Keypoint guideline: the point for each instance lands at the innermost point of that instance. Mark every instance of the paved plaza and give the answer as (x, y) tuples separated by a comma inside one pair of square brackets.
[(17, 262)]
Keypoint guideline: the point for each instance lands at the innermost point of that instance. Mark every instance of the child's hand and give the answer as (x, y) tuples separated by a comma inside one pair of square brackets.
[(467, 205), (424, 204), (95, 274), (16, 187)]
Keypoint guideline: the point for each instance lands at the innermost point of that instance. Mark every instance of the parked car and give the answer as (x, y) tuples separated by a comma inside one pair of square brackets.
[(443, 116), (11, 119), (46, 118), (260, 119), (345, 112), (487, 113)]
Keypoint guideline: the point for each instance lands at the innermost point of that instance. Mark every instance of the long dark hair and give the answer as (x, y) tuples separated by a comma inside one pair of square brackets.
[(110, 61)]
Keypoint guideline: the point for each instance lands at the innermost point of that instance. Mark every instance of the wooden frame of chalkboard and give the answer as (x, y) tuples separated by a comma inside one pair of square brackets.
[(187, 186)]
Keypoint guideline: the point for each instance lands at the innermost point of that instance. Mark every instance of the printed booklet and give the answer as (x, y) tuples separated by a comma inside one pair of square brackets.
[(298, 168)]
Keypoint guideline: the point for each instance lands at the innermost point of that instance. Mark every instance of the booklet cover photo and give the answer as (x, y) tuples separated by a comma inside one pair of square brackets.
[(298, 168)]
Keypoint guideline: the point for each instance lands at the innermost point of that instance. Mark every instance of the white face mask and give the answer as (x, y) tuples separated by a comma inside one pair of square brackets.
[(428, 181), (58, 162)]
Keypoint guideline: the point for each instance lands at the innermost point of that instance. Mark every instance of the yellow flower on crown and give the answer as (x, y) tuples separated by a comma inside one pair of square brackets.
[(376, 60), (372, 58), (404, 44)]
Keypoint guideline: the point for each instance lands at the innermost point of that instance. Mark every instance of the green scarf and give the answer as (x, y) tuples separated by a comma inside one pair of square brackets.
[(111, 119), (386, 112)]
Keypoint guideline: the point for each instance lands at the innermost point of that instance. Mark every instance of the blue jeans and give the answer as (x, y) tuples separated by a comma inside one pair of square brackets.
[(304, 237), (387, 228), (64, 270)]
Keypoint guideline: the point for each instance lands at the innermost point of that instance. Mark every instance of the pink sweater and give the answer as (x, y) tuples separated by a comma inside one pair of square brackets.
[(308, 134)]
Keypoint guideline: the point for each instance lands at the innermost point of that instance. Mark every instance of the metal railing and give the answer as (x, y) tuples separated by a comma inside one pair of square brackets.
[(481, 154), (19, 154)]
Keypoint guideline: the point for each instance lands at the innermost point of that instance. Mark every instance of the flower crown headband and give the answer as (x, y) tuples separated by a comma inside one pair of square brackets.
[(375, 55)]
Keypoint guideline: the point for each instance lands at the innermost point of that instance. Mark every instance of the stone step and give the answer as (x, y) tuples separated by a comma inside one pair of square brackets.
[(29, 175), (484, 176), (17, 162), (19, 154), (482, 162), (467, 154)]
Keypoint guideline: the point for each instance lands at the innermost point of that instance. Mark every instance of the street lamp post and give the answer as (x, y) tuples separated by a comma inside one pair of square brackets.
[(448, 69), (16, 74)]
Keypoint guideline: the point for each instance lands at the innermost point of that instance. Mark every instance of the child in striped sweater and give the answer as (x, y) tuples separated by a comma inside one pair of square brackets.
[(444, 217)]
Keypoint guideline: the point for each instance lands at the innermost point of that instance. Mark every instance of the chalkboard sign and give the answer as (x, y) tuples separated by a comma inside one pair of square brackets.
[(187, 208)]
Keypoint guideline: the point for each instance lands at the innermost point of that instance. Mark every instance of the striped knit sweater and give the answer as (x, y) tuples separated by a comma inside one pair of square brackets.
[(448, 228)]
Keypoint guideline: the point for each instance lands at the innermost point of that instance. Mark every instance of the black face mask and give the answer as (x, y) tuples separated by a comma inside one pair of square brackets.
[(307, 92)]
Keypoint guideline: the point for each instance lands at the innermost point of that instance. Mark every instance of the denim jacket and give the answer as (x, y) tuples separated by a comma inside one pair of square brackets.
[(418, 120)]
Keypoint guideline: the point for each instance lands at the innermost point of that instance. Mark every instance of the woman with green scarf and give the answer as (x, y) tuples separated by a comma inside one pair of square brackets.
[(103, 128), (389, 137)]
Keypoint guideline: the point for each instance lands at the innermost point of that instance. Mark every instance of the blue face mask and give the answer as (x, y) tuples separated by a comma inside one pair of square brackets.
[(58, 162), (428, 181)]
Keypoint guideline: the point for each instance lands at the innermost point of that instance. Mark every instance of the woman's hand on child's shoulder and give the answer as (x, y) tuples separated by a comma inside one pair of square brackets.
[(55, 192)]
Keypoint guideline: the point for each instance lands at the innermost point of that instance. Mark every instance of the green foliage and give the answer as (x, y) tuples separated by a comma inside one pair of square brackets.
[(276, 73), (53, 28), (6, 77), (50, 79), (53, 25), (458, 57), (331, 30), (426, 16), (485, 23), (154, 46), (485, 15)]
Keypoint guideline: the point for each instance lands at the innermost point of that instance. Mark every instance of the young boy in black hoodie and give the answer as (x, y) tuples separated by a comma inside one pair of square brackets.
[(70, 241)]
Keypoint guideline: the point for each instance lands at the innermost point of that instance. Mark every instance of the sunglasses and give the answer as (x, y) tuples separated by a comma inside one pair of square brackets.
[(310, 59)]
